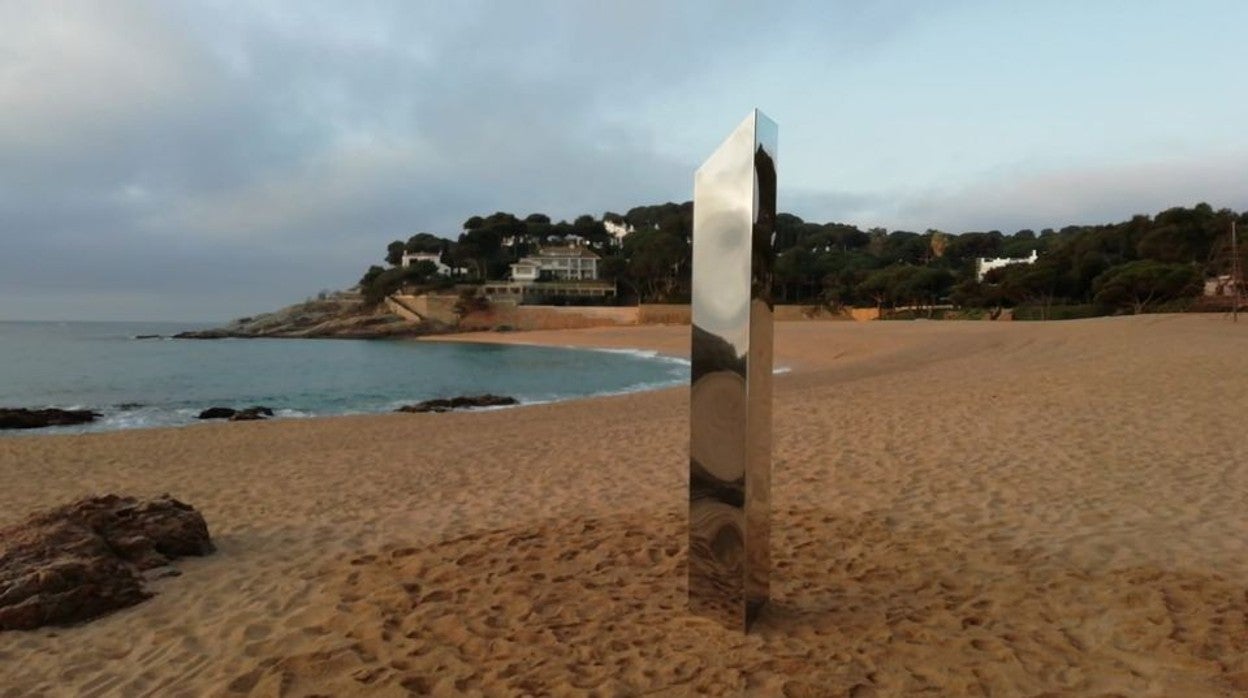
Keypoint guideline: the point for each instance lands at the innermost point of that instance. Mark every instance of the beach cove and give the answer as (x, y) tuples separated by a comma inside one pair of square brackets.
[(964, 508)]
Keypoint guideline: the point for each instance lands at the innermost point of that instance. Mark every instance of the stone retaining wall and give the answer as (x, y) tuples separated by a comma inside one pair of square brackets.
[(441, 307), (547, 317), (679, 314)]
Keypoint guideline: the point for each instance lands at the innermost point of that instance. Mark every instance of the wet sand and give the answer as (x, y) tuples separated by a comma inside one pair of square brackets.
[(960, 508)]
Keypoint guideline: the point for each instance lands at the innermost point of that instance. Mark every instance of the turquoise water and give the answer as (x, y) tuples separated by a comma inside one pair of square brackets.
[(166, 382)]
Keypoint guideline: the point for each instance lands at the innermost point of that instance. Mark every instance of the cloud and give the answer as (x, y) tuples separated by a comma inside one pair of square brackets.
[(1017, 197), (205, 160), (1087, 195), (159, 142)]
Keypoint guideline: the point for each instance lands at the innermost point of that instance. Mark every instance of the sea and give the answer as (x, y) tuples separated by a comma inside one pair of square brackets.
[(159, 382)]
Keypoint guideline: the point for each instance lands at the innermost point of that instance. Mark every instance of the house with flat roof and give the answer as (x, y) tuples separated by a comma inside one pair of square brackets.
[(554, 275), (568, 263)]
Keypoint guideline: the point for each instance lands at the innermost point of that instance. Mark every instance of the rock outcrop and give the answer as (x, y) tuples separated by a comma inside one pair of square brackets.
[(251, 414), (459, 403), (342, 315), (21, 418), (82, 560), (244, 415)]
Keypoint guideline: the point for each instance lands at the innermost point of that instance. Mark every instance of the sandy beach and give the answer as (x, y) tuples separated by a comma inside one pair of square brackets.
[(960, 508)]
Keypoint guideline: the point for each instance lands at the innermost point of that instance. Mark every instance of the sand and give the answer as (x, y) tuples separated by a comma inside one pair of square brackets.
[(959, 509)]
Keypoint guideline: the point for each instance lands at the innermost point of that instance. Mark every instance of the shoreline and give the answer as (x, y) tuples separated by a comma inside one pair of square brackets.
[(668, 342), (112, 411), (665, 340)]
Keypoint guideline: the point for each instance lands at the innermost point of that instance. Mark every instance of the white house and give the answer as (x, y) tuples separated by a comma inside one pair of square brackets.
[(1222, 285), (617, 230), (410, 258), (525, 270), (571, 263), (984, 264)]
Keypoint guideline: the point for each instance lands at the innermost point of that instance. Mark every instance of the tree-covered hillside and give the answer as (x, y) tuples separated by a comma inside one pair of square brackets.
[(1132, 265)]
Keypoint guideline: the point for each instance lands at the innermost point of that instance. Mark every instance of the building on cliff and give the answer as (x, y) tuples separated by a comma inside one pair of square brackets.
[(567, 263), (556, 275)]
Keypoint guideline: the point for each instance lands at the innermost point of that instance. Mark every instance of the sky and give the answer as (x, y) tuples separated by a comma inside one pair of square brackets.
[(199, 161)]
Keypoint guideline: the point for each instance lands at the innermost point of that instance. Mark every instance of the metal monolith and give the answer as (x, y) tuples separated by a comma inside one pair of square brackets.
[(734, 215)]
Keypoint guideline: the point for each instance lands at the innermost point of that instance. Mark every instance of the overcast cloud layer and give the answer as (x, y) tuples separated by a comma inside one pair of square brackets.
[(200, 161)]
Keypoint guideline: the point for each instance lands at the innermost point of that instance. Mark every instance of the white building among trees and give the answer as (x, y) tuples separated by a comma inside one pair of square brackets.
[(410, 258), (571, 263), (983, 265)]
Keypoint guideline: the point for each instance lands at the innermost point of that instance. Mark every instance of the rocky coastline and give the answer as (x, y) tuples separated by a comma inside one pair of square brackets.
[(341, 315)]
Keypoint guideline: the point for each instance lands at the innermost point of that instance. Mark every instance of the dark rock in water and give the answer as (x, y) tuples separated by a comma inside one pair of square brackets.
[(250, 414), (218, 333), (457, 403), (20, 418), (82, 560), (149, 336), (486, 400)]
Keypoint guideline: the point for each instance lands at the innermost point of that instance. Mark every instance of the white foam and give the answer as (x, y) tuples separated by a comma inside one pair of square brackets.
[(639, 353)]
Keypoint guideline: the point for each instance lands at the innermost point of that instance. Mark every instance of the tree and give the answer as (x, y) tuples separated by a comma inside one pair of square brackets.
[(842, 274), (877, 238), (1143, 282), (421, 272), (1038, 284), (371, 275), (1182, 234), (655, 259), (969, 293), (795, 269), (426, 242), (789, 230), (590, 230), (905, 247), (382, 285), (927, 285), (968, 246), (614, 267), (651, 216), (846, 237), (1021, 244), (394, 253), (887, 285), (482, 244)]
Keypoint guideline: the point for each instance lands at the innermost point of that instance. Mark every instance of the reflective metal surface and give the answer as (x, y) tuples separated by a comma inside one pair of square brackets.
[(734, 213)]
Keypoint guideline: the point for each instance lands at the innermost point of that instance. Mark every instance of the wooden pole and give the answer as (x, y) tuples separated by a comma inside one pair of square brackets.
[(1236, 278)]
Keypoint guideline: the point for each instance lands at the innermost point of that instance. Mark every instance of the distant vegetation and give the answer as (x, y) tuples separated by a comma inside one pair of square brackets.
[(1131, 266)]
